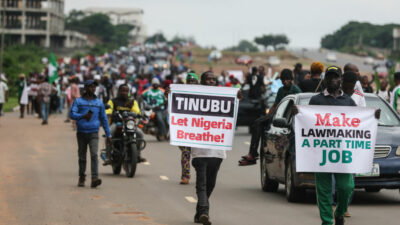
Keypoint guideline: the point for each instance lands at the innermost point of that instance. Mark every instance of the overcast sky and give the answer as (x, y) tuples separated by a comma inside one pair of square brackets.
[(223, 23)]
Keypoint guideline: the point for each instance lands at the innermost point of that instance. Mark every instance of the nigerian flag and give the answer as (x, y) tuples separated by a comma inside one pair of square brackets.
[(53, 75)]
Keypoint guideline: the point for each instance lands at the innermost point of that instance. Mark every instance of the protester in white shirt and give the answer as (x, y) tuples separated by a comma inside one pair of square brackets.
[(359, 98), (3, 95), (207, 163), (383, 93)]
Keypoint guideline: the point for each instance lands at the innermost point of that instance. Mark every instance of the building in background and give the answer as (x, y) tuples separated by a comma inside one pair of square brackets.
[(37, 21), (131, 16)]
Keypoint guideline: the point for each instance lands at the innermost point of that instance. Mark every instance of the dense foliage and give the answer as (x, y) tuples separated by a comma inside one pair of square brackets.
[(99, 25), (158, 37), (244, 46), (277, 41), (22, 59), (356, 34)]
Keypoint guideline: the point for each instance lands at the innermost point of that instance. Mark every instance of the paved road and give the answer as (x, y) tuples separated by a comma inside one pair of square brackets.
[(342, 58), (38, 177)]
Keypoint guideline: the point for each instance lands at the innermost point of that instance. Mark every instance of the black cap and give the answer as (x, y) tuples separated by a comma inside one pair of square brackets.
[(89, 82), (333, 70)]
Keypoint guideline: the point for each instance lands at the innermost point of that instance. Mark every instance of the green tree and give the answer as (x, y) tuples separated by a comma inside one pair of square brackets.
[(22, 59), (272, 40), (182, 39), (122, 36), (356, 35), (158, 37), (244, 46)]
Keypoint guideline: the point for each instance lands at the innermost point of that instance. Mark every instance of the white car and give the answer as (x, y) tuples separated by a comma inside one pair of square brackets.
[(215, 55), (331, 57), (369, 61), (274, 61)]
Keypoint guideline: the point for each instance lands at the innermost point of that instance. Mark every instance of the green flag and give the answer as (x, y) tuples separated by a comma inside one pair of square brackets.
[(53, 75)]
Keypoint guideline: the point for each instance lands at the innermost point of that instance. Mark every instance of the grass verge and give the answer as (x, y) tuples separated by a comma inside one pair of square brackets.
[(8, 106)]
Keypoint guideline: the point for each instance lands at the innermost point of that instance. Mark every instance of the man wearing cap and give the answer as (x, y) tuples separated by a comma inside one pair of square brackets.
[(333, 95), (122, 103), (89, 113), (155, 98)]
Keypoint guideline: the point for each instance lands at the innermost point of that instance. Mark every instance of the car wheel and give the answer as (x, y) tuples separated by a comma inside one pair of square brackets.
[(372, 189), (267, 184), (293, 194)]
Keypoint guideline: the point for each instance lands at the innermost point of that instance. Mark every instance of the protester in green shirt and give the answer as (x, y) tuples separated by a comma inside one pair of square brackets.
[(288, 87), (395, 95), (156, 99)]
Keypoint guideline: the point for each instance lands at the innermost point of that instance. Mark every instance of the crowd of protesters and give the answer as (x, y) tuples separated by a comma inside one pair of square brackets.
[(97, 80)]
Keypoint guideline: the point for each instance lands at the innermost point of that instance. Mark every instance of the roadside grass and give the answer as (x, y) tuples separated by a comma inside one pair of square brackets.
[(8, 106)]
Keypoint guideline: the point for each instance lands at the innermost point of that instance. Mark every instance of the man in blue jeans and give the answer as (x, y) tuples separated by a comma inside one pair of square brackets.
[(89, 113), (45, 90)]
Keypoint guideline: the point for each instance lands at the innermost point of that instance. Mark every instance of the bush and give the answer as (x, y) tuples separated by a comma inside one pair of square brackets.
[(22, 59)]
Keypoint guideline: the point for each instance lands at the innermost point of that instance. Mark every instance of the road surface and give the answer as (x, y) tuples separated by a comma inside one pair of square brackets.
[(38, 171), (342, 58)]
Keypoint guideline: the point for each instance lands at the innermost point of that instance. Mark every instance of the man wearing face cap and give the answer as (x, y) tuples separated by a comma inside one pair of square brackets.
[(89, 112), (333, 95)]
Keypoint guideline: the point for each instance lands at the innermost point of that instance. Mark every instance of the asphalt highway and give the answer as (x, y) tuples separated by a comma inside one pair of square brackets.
[(342, 58), (39, 174)]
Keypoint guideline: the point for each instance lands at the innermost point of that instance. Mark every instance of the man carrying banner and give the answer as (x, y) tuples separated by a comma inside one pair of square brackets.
[(207, 163), (334, 96)]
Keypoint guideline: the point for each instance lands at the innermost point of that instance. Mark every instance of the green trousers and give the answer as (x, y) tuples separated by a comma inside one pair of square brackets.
[(344, 188)]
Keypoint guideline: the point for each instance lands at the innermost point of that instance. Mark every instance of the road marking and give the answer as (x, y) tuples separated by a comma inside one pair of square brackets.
[(164, 178), (247, 143), (191, 199), (146, 163)]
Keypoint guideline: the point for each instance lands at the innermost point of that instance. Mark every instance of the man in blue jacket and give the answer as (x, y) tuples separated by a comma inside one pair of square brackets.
[(89, 113)]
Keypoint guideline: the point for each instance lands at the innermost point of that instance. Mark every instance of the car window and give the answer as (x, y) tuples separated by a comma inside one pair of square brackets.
[(388, 117), (304, 101), (280, 111)]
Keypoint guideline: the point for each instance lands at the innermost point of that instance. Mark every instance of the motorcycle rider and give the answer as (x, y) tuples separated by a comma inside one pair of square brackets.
[(155, 98), (122, 103)]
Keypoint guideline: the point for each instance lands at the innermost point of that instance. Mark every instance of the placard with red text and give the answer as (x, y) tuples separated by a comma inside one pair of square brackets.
[(335, 139), (202, 116)]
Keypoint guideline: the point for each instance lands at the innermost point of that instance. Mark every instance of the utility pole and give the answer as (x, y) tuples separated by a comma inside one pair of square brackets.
[(3, 26)]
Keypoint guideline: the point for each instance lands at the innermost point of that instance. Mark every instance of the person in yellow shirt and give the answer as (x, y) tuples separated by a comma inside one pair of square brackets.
[(122, 103)]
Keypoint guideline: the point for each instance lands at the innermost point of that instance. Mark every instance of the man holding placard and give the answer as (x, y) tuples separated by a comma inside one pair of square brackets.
[(334, 140), (203, 117)]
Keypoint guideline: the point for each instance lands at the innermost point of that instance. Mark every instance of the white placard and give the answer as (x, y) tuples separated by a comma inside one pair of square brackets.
[(238, 74), (202, 116), (335, 139)]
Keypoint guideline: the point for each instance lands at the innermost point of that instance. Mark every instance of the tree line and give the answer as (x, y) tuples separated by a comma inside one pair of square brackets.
[(276, 41), (358, 35)]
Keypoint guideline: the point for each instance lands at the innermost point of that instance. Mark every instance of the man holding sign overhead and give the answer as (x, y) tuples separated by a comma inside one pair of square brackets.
[(203, 117), (334, 140)]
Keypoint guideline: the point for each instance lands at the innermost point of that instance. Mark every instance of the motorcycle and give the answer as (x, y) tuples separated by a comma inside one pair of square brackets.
[(148, 124), (125, 144)]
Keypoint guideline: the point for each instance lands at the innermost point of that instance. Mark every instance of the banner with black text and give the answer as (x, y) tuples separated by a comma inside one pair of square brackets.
[(202, 116)]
